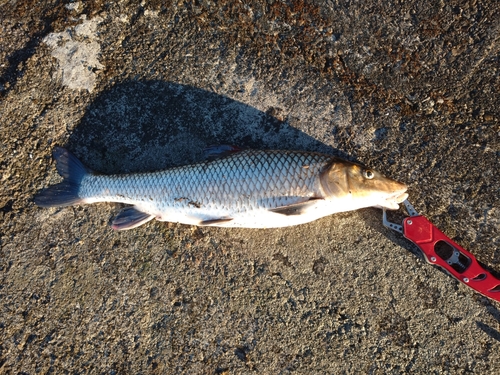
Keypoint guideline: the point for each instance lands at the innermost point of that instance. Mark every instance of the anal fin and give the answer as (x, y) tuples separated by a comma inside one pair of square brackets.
[(130, 217), (296, 208), (215, 222)]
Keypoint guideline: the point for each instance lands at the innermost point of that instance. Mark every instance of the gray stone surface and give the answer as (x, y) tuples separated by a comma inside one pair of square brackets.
[(408, 87)]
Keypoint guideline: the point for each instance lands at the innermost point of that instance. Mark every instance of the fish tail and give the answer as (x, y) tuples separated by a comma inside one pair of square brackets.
[(66, 192)]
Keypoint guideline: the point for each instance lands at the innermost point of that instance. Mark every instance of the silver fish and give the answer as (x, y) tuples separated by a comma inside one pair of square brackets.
[(248, 188)]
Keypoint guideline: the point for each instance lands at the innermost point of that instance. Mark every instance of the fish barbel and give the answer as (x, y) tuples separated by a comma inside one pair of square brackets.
[(248, 188)]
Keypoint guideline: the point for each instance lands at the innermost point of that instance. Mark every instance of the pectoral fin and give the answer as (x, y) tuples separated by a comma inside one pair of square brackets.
[(296, 208), (130, 217)]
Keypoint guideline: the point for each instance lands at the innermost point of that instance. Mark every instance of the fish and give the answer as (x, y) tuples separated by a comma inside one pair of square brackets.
[(244, 188)]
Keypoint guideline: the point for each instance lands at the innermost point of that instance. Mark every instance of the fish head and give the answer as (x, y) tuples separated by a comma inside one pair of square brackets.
[(361, 186)]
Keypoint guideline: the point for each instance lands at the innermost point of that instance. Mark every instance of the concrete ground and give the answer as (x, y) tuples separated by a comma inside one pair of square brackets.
[(410, 88)]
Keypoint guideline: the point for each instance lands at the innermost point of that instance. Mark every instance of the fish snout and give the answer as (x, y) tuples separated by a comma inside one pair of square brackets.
[(398, 195)]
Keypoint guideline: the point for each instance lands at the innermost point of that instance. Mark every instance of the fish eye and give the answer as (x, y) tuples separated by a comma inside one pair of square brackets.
[(368, 174)]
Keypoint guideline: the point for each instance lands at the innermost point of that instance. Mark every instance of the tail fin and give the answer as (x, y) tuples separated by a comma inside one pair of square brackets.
[(64, 193)]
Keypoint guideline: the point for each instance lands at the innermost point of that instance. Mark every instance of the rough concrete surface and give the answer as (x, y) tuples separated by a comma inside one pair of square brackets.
[(411, 88)]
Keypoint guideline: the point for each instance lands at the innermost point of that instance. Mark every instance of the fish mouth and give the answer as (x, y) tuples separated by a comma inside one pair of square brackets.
[(392, 201)]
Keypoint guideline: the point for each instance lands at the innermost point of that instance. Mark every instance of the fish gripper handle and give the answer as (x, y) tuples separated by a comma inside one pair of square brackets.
[(441, 251)]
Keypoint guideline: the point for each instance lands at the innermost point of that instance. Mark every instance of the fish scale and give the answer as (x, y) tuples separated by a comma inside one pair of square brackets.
[(249, 188), (248, 180)]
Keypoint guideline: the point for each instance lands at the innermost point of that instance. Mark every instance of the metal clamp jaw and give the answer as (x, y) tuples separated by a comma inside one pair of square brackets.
[(440, 250)]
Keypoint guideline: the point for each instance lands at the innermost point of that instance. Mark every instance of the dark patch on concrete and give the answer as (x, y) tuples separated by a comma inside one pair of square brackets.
[(283, 259), (319, 265)]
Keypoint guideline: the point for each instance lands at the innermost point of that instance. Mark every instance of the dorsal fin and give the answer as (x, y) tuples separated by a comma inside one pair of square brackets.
[(218, 151)]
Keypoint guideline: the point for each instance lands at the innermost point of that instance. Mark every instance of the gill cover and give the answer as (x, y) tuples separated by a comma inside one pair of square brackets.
[(334, 179)]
